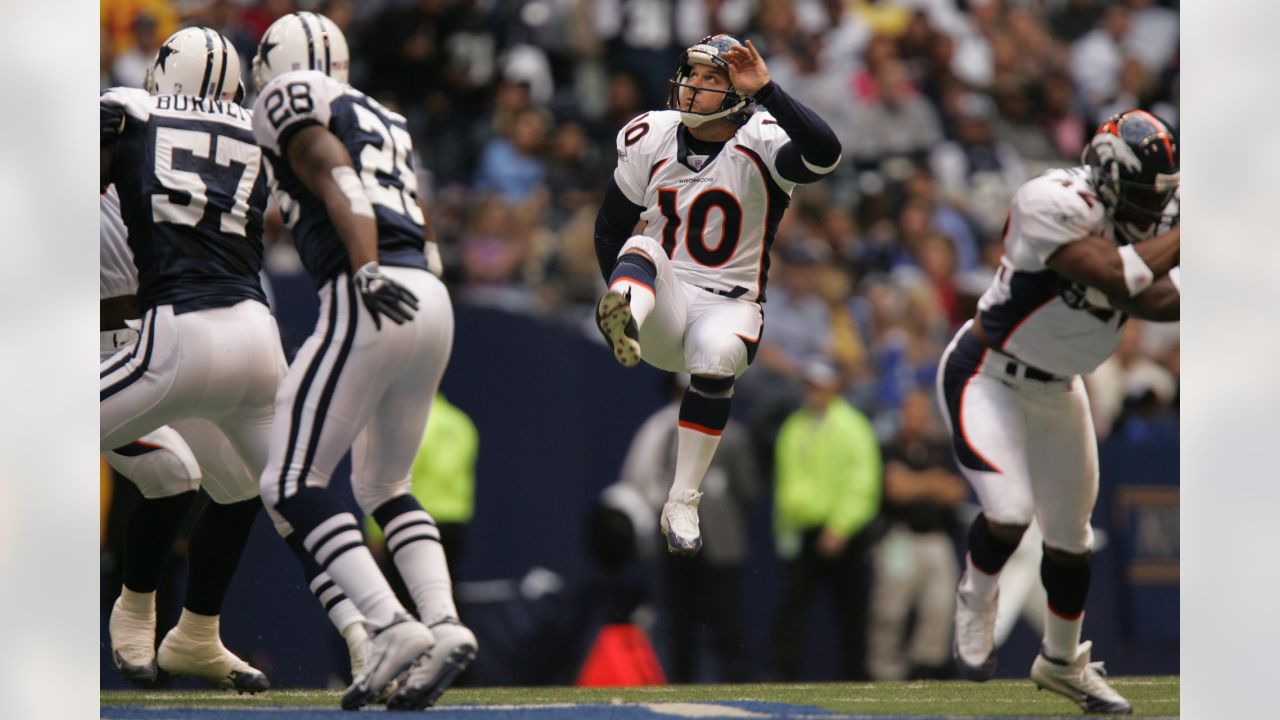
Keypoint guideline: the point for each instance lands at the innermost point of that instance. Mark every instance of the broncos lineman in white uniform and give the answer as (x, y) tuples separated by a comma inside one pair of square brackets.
[(1085, 248), (343, 177), (709, 178), (182, 159)]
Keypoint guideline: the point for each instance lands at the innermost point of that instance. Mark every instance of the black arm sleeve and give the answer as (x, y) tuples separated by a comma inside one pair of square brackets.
[(812, 139), (111, 122), (614, 223)]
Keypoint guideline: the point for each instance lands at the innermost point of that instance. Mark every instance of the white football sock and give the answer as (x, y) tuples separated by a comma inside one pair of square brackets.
[(977, 582), (642, 299), (139, 603), (1061, 636), (422, 566), (694, 451)]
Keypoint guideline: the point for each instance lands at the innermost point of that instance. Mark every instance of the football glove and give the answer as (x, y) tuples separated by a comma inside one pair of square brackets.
[(384, 296)]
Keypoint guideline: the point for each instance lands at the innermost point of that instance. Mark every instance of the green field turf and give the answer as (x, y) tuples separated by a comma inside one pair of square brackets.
[(1151, 697)]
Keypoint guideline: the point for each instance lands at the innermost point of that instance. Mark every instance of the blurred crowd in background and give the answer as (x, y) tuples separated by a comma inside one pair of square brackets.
[(944, 108)]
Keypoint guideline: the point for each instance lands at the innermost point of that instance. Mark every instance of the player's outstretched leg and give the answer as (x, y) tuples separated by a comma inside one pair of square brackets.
[(704, 412), (153, 524), (977, 598), (623, 309), (194, 647), (414, 543)]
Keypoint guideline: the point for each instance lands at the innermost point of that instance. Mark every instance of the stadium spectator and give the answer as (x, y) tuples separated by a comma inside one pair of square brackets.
[(826, 493), (915, 566), (130, 67)]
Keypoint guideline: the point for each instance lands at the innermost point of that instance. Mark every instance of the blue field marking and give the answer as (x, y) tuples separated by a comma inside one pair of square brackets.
[(736, 710)]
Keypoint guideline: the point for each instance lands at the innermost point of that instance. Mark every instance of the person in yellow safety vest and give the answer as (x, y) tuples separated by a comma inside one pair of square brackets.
[(827, 492)]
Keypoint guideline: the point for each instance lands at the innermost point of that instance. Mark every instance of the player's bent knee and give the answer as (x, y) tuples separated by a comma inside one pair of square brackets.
[(643, 245), (371, 496), (282, 526), (157, 472), (713, 386), (1008, 533), (718, 357)]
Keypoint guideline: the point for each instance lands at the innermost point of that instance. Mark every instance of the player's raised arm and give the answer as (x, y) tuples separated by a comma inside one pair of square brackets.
[(814, 150), (322, 164)]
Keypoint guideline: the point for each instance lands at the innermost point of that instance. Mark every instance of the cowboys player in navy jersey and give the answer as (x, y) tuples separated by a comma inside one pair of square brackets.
[(344, 181), (191, 193), (1085, 249), (709, 178)]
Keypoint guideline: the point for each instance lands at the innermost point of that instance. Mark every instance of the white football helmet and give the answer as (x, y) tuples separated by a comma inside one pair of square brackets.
[(301, 41), (199, 62)]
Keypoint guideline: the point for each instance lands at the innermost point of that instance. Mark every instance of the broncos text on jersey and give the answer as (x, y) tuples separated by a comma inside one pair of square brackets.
[(381, 151), (715, 215), (192, 194)]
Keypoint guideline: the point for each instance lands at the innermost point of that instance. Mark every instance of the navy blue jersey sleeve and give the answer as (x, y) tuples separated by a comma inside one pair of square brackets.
[(614, 224), (111, 121), (814, 149)]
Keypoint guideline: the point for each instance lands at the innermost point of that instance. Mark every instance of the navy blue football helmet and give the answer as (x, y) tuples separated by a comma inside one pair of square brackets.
[(1134, 160), (736, 107)]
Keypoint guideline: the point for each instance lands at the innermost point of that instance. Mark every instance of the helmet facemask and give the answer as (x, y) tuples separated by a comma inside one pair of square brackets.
[(1134, 161), (734, 106)]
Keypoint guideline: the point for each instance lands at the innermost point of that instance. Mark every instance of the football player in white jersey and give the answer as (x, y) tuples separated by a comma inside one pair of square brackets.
[(364, 381), (186, 184), (708, 179), (1085, 248)]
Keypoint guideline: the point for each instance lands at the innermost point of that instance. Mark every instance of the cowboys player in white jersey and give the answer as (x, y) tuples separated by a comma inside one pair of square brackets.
[(1085, 248), (344, 180), (709, 178), (190, 192)]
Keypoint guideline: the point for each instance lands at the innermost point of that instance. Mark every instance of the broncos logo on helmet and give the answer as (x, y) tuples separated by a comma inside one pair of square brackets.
[(1134, 159), (735, 106)]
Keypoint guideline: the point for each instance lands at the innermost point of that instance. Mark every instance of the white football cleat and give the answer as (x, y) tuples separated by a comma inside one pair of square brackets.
[(133, 643), (206, 657), (453, 653), (1079, 681), (391, 649), (679, 523), (613, 317), (974, 646)]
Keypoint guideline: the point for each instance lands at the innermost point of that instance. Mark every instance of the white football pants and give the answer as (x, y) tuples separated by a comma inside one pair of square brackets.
[(692, 330), (210, 376), (1026, 446), (353, 386)]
